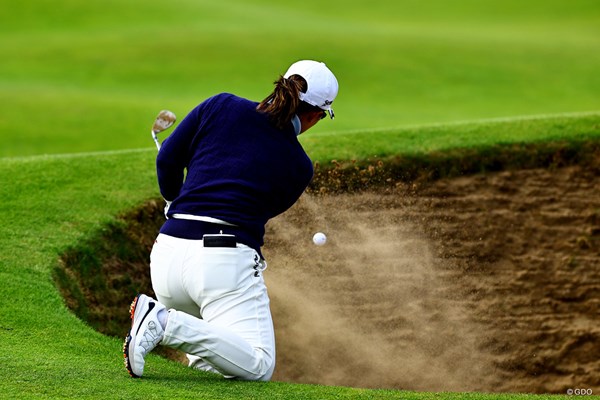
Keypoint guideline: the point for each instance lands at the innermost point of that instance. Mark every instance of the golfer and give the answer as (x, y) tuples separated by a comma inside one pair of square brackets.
[(230, 166)]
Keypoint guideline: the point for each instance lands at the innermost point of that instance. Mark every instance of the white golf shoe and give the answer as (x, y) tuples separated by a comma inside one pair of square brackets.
[(145, 334)]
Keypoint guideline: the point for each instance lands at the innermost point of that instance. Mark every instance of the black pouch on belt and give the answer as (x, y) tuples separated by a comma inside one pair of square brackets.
[(219, 240)]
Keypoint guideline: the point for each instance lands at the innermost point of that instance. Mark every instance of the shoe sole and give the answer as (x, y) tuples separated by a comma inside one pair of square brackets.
[(129, 337)]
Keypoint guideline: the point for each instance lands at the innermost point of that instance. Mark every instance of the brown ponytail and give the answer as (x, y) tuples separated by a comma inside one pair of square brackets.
[(283, 103)]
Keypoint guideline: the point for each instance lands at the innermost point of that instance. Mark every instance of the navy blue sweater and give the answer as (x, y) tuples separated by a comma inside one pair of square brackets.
[(238, 167)]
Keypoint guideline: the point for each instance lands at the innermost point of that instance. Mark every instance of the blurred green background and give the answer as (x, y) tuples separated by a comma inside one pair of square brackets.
[(92, 75)]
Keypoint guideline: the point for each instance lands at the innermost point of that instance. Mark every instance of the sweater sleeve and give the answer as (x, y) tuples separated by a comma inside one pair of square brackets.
[(174, 153)]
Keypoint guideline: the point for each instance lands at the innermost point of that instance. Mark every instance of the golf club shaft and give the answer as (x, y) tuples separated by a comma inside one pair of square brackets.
[(155, 138)]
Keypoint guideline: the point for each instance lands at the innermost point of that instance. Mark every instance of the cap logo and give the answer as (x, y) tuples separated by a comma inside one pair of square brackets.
[(327, 103)]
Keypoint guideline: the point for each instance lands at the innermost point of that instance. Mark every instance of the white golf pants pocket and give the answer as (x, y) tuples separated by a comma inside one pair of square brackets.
[(214, 272)]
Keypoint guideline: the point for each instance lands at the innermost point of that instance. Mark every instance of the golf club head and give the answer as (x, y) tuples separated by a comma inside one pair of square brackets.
[(164, 120)]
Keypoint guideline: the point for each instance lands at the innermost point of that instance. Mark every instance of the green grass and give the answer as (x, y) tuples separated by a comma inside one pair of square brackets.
[(87, 76), (52, 202), (90, 76), (423, 140)]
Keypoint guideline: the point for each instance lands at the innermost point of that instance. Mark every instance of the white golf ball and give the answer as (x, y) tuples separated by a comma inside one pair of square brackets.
[(319, 238)]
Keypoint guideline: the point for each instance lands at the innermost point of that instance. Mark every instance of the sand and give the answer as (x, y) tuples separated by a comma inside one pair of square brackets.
[(485, 282), (480, 283)]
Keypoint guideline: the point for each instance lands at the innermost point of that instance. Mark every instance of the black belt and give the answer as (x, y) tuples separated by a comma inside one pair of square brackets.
[(219, 240)]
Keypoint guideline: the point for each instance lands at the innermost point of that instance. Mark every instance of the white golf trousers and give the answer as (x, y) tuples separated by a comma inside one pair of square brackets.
[(218, 306)]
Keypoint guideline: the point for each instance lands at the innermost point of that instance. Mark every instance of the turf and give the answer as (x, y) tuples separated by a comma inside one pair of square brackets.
[(51, 202), (90, 77), (424, 140)]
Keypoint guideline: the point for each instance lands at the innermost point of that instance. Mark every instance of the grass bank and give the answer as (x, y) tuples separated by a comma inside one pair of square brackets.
[(50, 204)]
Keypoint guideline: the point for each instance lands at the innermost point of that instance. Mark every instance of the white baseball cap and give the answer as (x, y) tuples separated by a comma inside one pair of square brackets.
[(322, 85)]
